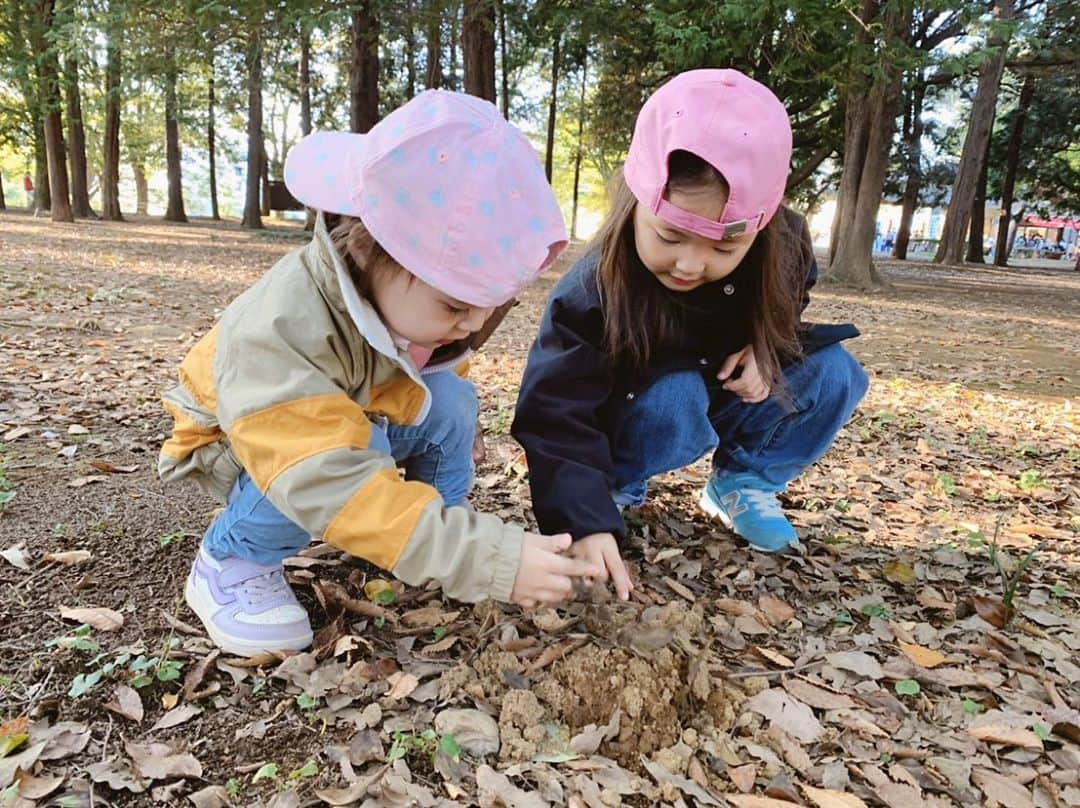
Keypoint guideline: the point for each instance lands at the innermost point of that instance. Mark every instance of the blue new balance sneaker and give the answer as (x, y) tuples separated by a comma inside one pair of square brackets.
[(747, 504)]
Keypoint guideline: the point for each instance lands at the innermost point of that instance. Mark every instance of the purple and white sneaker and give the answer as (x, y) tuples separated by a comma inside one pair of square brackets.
[(247, 608)]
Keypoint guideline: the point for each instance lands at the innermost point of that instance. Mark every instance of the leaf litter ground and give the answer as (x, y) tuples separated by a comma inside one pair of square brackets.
[(924, 649)]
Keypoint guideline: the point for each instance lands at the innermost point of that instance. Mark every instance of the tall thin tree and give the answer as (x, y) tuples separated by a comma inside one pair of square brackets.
[(364, 68), (478, 48), (1003, 245), (553, 104), (49, 76), (211, 136), (80, 189), (252, 208), (174, 211), (110, 175)]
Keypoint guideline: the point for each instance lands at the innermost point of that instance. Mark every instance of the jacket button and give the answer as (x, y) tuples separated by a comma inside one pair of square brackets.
[(703, 361), (729, 289), (629, 396)]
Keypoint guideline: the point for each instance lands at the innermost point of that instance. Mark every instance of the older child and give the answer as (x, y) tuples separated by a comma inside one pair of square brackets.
[(338, 365), (679, 332)]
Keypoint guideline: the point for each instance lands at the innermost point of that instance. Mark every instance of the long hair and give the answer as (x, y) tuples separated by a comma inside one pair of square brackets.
[(638, 313)]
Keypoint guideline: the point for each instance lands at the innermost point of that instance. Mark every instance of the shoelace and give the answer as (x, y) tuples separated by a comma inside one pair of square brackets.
[(266, 587), (764, 502)]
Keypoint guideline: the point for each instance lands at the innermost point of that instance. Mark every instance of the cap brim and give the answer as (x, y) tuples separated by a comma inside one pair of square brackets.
[(319, 171)]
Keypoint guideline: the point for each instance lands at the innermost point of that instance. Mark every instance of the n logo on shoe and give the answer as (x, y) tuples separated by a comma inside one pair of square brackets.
[(732, 504)]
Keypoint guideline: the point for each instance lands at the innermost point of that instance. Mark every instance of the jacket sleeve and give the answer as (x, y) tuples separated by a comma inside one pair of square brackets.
[(567, 380), (282, 402)]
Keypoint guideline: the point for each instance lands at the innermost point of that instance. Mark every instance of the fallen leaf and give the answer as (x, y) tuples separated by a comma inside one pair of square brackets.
[(1003, 790), (79, 482), (774, 657), (750, 801), (662, 775), (126, 702), (116, 776), (474, 730), (109, 468), (495, 786), (818, 697), (78, 429), (790, 714), (210, 797), (1009, 736), (428, 617), (898, 572), (992, 610), (589, 739), (775, 610), (857, 662), (64, 738), (177, 716), (922, 656), (401, 685), (98, 617), (441, 646), (68, 557), (38, 788), (16, 557), (743, 777), (156, 761), (24, 760)]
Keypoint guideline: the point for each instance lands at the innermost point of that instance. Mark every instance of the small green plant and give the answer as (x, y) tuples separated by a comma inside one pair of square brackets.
[(1001, 561), (978, 437), (882, 418), (427, 743), (1029, 480), (138, 670), (438, 633), (992, 496), (309, 769), (268, 771), (7, 490), (843, 618), (1028, 451), (233, 787), (876, 610), (306, 702), (77, 640), (59, 530), (971, 707), (169, 538), (1059, 591), (945, 484), (842, 505), (1041, 732), (907, 687)]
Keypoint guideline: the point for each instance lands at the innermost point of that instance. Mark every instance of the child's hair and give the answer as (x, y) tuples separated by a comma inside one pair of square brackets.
[(638, 313), (364, 257)]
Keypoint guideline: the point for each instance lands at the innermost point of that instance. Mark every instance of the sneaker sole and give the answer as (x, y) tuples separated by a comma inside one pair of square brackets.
[(712, 509), (204, 610)]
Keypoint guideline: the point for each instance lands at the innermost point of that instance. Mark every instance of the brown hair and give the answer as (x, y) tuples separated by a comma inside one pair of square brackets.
[(364, 257), (639, 316)]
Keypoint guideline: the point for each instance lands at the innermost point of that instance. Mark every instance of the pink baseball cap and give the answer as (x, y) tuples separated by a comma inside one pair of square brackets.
[(731, 122), (451, 191)]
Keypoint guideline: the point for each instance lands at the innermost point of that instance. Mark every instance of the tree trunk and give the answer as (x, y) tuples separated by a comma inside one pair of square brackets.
[(142, 189), (51, 102), (110, 174), (549, 151), (305, 103), (451, 73), (478, 48), (958, 216), (1012, 159), (505, 97), (252, 219), (364, 69), (3, 204), (265, 200), (174, 211), (433, 78), (577, 154), (211, 143), (872, 124), (410, 49), (42, 198), (913, 161), (80, 189), (978, 214)]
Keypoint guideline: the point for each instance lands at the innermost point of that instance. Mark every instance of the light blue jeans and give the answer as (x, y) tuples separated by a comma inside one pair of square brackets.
[(437, 451), (678, 419)]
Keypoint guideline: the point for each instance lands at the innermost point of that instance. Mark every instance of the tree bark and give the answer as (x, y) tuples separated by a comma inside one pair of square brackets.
[(3, 204), (1003, 245), (174, 211), (80, 187), (978, 214), (549, 151), (252, 218), (410, 49), (913, 132), (364, 69), (142, 189), (305, 103), (42, 197), (958, 217), (433, 78), (871, 124), (110, 174), (451, 73), (54, 126), (478, 48), (578, 153), (504, 98), (265, 199), (211, 143)]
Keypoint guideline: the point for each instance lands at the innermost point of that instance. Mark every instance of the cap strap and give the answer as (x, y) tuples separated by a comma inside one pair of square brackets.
[(707, 228)]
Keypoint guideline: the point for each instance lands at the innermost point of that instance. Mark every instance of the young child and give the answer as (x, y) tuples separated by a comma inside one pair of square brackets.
[(339, 364), (679, 332)]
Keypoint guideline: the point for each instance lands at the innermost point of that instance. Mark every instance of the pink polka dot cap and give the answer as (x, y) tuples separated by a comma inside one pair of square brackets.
[(452, 192)]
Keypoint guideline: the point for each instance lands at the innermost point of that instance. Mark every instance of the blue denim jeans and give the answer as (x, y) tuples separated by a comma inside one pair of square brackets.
[(437, 451), (676, 421)]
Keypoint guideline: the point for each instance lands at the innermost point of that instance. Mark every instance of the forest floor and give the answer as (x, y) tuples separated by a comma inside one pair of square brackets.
[(880, 666)]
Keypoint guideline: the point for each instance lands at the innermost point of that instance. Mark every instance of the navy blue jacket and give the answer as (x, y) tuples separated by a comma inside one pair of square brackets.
[(570, 386)]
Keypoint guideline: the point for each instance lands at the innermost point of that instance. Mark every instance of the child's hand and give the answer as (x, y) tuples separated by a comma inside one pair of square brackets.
[(601, 549), (545, 575), (749, 386)]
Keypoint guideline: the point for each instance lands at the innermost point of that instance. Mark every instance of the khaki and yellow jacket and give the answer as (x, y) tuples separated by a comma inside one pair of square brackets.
[(286, 386)]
